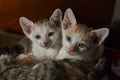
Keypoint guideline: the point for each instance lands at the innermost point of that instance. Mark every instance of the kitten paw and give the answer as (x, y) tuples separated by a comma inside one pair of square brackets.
[(101, 63)]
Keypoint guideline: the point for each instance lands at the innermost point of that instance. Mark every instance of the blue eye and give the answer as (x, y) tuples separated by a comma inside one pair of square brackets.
[(68, 38), (50, 34), (37, 36)]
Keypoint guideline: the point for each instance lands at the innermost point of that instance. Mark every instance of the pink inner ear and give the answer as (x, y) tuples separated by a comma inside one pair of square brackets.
[(95, 38), (100, 41), (27, 30), (26, 25), (66, 22), (101, 34), (64, 26)]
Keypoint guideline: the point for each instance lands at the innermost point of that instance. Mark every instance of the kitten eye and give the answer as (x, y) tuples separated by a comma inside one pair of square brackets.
[(81, 45), (37, 36), (68, 38), (50, 33)]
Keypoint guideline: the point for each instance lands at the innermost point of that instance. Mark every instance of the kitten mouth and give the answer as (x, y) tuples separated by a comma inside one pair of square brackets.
[(45, 46)]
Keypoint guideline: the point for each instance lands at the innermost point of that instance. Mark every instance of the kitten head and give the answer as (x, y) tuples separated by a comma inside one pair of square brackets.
[(79, 40), (44, 32)]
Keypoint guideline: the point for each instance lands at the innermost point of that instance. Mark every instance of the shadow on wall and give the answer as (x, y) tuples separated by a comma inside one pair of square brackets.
[(113, 40), (114, 37)]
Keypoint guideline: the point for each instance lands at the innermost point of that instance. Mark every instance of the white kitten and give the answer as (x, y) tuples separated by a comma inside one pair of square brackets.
[(79, 41), (44, 34)]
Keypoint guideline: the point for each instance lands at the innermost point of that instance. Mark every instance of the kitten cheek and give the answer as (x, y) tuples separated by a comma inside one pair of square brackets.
[(51, 38), (82, 49), (50, 42), (40, 43)]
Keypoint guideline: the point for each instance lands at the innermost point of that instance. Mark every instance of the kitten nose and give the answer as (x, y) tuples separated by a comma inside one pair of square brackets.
[(71, 49), (45, 43)]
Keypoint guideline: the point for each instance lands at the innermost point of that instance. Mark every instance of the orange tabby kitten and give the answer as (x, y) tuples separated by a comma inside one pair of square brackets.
[(79, 41)]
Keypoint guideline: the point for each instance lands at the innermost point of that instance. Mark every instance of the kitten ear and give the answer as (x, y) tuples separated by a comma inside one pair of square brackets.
[(69, 19), (26, 25), (56, 17), (101, 34)]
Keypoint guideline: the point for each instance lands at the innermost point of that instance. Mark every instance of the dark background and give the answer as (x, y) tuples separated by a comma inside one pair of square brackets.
[(93, 13)]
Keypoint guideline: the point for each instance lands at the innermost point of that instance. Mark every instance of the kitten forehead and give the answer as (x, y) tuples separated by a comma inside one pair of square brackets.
[(79, 29), (43, 26), (45, 23), (79, 33), (42, 23)]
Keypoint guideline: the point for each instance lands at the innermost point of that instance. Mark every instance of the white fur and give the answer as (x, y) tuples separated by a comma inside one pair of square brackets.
[(63, 55), (87, 54), (63, 51), (40, 52), (31, 29), (43, 53), (68, 18)]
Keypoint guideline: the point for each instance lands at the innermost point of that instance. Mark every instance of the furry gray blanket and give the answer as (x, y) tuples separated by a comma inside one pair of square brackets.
[(13, 69)]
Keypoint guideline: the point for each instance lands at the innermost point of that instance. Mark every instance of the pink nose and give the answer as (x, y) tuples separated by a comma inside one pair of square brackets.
[(71, 49), (45, 43)]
